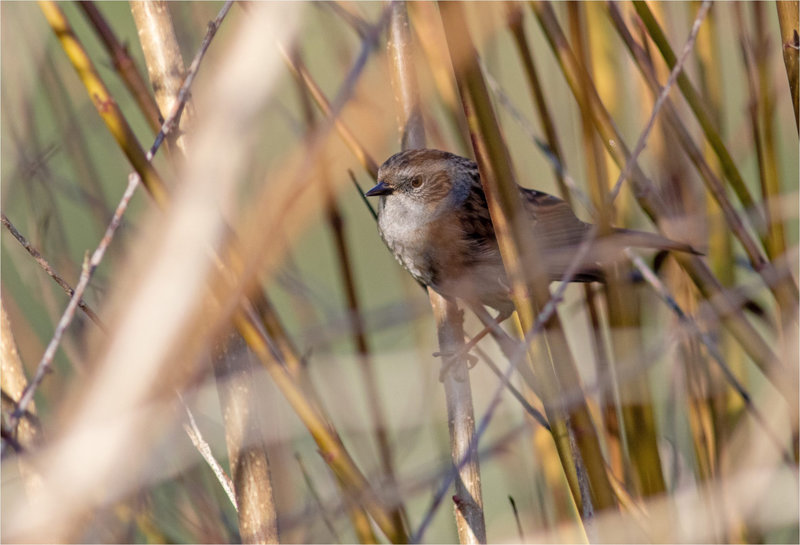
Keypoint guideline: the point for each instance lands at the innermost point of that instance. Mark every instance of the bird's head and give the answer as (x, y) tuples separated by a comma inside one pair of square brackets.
[(426, 176)]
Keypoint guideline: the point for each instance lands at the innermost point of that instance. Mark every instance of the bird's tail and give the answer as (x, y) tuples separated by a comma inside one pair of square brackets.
[(643, 239)]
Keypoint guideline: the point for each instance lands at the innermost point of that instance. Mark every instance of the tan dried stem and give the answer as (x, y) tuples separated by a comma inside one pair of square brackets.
[(242, 413), (790, 44), (14, 383), (162, 55)]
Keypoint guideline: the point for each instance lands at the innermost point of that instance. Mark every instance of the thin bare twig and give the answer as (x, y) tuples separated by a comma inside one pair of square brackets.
[(173, 118), (530, 409), (712, 347), (323, 510), (49, 270), (89, 266), (662, 96), (361, 194), (202, 446), (525, 125)]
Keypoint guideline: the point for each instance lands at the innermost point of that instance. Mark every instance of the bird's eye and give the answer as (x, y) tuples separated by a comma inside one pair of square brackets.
[(416, 182)]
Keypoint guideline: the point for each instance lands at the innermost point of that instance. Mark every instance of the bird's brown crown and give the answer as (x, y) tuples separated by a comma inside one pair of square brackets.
[(426, 173)]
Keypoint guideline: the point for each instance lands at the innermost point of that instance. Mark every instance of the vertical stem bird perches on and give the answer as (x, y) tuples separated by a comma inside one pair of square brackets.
[(468, 499)]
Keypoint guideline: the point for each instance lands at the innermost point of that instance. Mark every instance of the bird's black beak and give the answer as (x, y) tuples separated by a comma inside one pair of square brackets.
[(380, 189)]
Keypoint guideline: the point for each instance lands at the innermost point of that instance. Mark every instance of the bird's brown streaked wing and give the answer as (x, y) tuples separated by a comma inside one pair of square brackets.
[(558, 227), (555, 224)]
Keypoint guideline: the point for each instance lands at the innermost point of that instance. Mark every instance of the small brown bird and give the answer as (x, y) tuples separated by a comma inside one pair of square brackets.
[(433, 216)]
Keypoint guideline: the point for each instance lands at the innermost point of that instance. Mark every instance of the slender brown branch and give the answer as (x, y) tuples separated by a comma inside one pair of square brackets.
[(123, 63), (346, 134), (790, 42), (43, 263)]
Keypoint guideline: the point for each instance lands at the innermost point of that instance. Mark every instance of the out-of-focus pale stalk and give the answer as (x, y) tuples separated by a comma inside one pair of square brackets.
[(748, 492), (234, 367)]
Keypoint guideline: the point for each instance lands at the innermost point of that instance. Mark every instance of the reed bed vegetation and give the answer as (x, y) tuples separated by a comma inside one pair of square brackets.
[(204, 338)]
